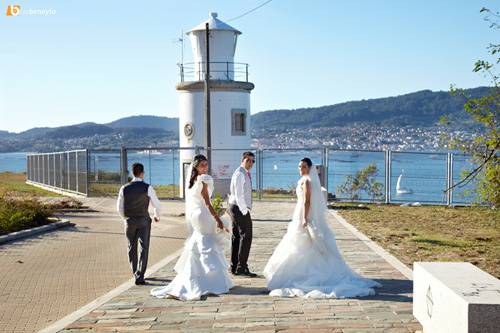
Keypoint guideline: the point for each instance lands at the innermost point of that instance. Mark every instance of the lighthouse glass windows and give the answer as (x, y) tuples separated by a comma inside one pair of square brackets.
[(238, 121)]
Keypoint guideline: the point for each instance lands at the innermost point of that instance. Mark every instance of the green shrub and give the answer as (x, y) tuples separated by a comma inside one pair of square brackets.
[(19, 214), (363, 181)]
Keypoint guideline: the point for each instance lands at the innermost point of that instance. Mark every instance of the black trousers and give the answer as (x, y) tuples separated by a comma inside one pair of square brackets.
[(138, 232), (242, 237)]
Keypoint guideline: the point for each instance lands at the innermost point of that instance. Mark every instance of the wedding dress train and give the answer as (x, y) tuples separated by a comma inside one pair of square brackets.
[(202, 267), (307, 262)]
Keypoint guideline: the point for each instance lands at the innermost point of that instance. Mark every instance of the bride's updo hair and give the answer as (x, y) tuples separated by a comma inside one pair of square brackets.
[(194, 172), (307, 161)]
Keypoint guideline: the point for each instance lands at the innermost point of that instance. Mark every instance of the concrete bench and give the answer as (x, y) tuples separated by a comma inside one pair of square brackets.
[(455, 297)]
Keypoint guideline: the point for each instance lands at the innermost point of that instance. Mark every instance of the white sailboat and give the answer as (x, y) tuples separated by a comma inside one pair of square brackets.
[(402, 190)]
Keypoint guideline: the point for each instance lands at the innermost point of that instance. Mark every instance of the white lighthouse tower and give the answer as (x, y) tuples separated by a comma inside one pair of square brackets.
[(229, 102)]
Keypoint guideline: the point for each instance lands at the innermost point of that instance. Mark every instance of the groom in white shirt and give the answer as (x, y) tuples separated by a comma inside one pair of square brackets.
[(240, 204)]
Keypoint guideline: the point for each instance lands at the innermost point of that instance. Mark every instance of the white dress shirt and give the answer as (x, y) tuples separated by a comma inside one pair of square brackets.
[(153, 199), (241, 190)]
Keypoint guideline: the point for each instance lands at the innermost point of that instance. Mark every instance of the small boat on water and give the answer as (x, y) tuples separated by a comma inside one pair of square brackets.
[(275, 167), (399, 188), (149, 151)]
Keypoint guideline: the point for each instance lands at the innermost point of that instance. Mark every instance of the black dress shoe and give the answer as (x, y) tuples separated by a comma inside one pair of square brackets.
[(245, 272), (140, 281), (232, 270)]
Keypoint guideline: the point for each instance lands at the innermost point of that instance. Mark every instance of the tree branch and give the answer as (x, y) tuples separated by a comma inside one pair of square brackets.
[(474, 172)]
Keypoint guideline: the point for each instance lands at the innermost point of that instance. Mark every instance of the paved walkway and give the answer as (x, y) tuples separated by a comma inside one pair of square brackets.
[(46, 277), (248, 307)]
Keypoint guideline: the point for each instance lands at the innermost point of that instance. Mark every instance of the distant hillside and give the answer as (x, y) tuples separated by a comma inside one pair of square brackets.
[(421, 108), (92, 135), (78, 131), (418, 109), (165, 123)]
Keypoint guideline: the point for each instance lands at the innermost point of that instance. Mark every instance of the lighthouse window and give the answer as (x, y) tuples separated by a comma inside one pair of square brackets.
[(238, 122)]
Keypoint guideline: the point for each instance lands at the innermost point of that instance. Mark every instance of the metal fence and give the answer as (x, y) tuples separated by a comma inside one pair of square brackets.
[(402, 177), (65, 171)]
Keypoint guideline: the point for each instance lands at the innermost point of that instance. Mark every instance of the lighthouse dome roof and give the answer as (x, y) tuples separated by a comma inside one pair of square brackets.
[(214, 24)]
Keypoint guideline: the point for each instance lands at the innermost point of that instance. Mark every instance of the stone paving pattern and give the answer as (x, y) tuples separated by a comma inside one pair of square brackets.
[(248, 308), (47, 276)]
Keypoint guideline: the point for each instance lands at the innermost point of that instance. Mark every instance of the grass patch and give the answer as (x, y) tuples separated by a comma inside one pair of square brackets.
[(432, 233), (172, 192), (111, 190), (14, 185), (16, 214), (20, 207), (440, 241)]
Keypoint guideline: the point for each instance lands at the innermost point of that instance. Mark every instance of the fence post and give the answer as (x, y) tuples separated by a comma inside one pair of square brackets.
[(123, 165), (60, 155), (43, 169), (326, 153), (149, 166), (68, 172), (258, 171), (388, 157), (54, 165), (449, 179), (76, 172), (173, 174), (27, 167), (87, 173)]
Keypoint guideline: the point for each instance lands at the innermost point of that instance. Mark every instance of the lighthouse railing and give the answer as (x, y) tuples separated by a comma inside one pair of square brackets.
[(219, 70)]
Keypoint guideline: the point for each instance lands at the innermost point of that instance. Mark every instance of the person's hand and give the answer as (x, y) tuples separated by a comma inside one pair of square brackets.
[(156, 219), (304, 223)]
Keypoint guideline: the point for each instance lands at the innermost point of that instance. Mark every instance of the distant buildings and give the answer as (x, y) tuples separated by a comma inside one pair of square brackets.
[(366, 137)]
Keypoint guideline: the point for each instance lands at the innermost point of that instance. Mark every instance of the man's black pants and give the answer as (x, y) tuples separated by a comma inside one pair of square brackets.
[(242, 237)]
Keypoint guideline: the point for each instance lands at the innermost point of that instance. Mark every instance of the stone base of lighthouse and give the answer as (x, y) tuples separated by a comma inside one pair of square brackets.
[(230, 127)]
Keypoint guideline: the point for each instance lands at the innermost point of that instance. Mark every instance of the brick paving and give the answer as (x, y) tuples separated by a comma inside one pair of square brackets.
[(248, 308), (45, 277)]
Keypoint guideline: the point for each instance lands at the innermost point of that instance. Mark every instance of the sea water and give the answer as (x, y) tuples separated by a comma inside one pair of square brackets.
[(424, 175)]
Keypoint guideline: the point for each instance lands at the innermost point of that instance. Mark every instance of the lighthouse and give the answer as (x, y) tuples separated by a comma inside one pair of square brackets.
[(229, 103)]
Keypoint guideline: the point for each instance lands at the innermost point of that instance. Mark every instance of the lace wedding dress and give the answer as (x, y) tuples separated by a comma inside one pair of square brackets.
[(307, 262), (202, 267)]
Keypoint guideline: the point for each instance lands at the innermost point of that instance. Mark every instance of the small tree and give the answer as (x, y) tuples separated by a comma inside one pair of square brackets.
[(363, 180), (484, 145)]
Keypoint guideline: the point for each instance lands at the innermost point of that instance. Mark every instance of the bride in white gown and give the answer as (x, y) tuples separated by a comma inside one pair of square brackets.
[(202, 267), (307, 262)]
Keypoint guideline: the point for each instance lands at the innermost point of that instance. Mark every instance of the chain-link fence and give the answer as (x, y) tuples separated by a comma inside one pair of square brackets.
[(65, 171), (391, 177)]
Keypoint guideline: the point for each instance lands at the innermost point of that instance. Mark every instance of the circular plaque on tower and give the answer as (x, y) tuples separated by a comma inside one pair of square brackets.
[(189, 130)]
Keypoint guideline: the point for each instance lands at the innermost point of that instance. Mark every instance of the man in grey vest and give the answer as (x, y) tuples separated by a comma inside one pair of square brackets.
[(240, 204), (133, 203)]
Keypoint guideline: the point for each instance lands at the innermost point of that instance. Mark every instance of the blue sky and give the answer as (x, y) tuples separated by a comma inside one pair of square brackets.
[(103, 60)]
